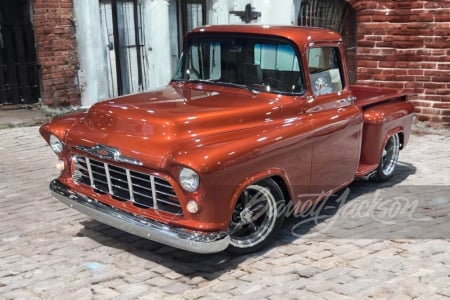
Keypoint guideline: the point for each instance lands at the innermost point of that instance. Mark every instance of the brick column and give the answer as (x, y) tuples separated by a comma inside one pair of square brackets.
[(56, 50)]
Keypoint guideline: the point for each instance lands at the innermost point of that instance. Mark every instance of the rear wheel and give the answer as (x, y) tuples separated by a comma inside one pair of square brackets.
[(256, 217), (389, 158)]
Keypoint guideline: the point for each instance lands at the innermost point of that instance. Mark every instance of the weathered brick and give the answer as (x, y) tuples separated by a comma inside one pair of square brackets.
[(417, 32), (56, 49)]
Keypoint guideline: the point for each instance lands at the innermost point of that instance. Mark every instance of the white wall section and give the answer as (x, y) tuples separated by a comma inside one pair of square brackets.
[(91, 52), (157, 37)]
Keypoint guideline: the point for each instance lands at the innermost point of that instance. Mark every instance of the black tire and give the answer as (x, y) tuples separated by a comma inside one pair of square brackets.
[(256, 217), (389, 158)]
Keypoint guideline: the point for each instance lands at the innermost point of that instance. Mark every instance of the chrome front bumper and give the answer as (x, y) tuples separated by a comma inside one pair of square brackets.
[(194, 241)]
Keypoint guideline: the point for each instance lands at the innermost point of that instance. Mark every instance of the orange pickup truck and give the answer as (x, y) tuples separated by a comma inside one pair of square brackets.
[(255, 118)]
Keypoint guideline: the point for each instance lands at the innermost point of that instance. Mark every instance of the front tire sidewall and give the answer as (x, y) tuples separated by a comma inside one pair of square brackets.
[(274, 197)]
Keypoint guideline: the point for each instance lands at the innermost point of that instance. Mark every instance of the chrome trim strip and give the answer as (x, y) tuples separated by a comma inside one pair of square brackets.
[(91, 176), (130, 184), (108, 178), (154, 195), (194, 241), (110, 153)]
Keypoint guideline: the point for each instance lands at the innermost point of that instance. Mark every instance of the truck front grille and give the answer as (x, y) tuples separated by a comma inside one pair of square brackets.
[(143, 190)]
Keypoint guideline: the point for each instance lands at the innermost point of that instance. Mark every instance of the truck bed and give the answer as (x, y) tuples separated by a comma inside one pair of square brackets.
[(367, 96)]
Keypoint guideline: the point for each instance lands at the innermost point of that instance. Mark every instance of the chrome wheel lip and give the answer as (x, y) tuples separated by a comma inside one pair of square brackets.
[(264, 229), (390, 155)]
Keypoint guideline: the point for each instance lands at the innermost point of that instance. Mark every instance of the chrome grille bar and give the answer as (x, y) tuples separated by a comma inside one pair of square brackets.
[(108, 178), (154, 191), (130, 184), (91, 177)]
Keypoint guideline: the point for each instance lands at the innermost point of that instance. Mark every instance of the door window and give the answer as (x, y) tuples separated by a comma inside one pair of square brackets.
[(324, 70)]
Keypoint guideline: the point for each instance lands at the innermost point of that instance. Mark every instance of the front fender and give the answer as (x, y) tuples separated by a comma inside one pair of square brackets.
[(60, 126), (230, 162)]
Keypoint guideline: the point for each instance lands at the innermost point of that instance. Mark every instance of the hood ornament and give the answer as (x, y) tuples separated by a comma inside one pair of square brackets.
[(109, 153)]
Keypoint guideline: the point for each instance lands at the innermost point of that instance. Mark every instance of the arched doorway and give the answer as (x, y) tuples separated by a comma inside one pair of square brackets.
[(337, 15)]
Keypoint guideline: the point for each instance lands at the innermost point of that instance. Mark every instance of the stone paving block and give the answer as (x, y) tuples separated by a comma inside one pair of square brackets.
[(330, 295), (223, 286), (400, 297), (159, 282), (352, 288), (132, 290), (176, 288), (217, 296), (196, 293), (100, 292), (246, 289), (431, 296), (445, 291), (19, 294)]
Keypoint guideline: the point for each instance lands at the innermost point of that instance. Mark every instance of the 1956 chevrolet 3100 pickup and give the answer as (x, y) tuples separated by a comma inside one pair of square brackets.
[(255, 118)]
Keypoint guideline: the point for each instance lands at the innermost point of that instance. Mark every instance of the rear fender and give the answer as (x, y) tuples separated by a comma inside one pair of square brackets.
[(381, 122)]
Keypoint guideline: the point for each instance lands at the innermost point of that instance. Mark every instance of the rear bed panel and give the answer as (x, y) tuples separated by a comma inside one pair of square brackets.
[(367, 96)]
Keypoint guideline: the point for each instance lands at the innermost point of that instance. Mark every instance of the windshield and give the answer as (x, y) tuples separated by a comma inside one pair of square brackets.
[(264, 64)]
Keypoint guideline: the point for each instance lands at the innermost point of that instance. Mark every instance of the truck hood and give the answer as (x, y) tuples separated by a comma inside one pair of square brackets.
[(149, 126)]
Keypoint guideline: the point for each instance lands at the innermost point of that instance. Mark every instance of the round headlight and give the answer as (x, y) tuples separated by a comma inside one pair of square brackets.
[(56, 144), (189, 180)]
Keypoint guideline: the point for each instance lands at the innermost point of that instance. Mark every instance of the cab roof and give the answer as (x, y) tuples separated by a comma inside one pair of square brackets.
[(298, 34)]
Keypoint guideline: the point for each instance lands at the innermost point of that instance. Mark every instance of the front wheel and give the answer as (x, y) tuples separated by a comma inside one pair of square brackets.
[(389, 158), (256, 217)]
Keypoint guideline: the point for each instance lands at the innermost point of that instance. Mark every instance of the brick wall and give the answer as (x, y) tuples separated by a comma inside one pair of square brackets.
[(406, 44), (56, 50)]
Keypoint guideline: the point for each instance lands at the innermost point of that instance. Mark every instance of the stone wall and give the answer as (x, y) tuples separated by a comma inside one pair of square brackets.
[(406, 44), (56, 50)]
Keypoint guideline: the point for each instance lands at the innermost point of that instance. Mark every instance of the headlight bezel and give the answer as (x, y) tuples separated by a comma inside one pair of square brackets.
[(188, 179), (56, 144)]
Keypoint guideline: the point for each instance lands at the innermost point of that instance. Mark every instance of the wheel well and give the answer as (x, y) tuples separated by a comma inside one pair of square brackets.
[(279, 180), (401, 136)]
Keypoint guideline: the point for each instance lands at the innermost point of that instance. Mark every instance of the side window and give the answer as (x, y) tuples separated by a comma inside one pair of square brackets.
[(324, 70)]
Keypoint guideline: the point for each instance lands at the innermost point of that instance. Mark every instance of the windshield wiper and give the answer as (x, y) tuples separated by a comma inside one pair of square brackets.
[(248, 87)]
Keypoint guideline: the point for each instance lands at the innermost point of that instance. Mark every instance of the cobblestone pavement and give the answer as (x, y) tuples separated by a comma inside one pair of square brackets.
[(50, 251)]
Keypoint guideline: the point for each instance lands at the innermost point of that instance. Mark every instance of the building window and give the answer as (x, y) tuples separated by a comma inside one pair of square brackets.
[(193, 14), (337, 15), (122, 31)]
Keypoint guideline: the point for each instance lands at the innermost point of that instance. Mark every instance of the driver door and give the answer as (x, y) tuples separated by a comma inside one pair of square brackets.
[(336, 122)]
